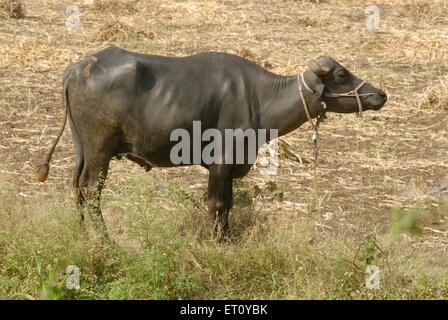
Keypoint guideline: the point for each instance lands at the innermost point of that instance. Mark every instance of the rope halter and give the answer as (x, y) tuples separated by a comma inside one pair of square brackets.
[(352, 93), (321, 117)]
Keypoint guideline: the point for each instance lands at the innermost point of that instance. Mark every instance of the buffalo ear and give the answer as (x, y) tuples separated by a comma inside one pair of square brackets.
[(319, 89)]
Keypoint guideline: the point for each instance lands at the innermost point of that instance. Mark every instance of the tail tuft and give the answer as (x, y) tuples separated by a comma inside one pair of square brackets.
[(42, 172)]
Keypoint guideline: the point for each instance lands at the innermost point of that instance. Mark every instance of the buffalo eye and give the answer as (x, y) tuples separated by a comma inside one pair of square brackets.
[(339, 76)]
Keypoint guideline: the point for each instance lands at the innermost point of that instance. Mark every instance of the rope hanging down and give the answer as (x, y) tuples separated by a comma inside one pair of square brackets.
[(321, 117)]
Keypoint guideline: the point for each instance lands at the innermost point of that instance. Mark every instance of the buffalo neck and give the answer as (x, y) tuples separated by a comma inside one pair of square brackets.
[(281, 106)]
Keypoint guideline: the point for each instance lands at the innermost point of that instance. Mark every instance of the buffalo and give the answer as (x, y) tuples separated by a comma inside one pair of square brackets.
[(123, 103)]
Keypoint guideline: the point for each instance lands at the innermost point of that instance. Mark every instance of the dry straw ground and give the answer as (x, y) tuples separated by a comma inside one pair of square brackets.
[(11, 9), (366, 166)]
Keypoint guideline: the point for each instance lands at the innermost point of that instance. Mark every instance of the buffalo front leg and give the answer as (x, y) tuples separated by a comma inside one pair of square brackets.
[(220, 200)]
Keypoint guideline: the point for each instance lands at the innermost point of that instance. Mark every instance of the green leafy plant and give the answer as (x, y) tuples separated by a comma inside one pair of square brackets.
[(405, 221), (368, 254), (242, 198), (49, 288), (271, 186)]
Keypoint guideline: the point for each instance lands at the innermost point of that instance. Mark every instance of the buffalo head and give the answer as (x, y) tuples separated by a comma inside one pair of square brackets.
[(341, 87)]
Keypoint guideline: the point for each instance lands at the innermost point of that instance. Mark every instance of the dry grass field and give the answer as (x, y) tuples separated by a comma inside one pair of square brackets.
[(319, 223)]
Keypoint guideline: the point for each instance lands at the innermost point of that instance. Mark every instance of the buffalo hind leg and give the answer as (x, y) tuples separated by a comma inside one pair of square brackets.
[(220, 200), (79, 199), (91, 182), (79, 165)]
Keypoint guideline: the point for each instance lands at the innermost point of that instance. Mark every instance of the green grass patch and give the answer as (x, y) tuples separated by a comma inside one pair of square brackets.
[(167, 252)]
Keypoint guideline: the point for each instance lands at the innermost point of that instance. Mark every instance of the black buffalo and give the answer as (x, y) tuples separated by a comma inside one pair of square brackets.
[(125, 103)]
